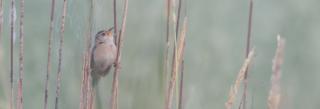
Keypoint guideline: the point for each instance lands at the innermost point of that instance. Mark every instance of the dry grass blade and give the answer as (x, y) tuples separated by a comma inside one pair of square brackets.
[(89, 91), (12, 22), (177, 22), (49, 54), (21, 57), (86, 96), (1, 19), (180, 105), (115, 84), (234, 89), (275, 94), (176, 66), (115, 23), (244, 96), (82, 93), (167, 45), (59, 73), (178, 18)]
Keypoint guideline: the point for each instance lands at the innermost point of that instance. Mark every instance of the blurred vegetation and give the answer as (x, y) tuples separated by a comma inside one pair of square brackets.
[(215, 50)]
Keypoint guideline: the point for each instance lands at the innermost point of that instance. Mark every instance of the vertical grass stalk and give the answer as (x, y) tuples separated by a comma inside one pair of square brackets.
[(235, 88), (51, 25), (115, 84), (275, 90), (1, 20), (177, 62), (12, 22), (59, 73), (89, 92), (21, 57), (82, 90), (180, 93), (115, 23), (180, 105), (245, 81), (167, 45)]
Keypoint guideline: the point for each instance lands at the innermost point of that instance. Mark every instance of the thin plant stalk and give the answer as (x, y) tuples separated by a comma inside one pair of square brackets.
[(1, 19), (86, 97), (12, 22), (89, 91), (115, 23), (178, 18), (182, 64), (82, 93), (115, 84), (176, 66), (88, 71), (21, 57), (235, 88), (167, 45), (244, 96), (59, 73), (49, 54), (274, 98), (180, 105)]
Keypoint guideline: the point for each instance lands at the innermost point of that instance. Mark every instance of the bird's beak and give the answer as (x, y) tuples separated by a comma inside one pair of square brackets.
[(110, 29), (109, 32)]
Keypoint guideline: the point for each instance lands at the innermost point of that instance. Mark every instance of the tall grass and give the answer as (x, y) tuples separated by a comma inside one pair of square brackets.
[(51, 25), (86, 95), (115, 84), (275, 90), (21, 57), (248, 45), (1, 19), (12, 23), (59, 73), (176, 66), (176, 74), (240, 78)]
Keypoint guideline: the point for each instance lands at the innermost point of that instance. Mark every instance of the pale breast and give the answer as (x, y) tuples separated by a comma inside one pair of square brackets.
[(104, 56)]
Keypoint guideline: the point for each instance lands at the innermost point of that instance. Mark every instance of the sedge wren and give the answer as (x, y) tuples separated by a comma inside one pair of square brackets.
[(103, 55)]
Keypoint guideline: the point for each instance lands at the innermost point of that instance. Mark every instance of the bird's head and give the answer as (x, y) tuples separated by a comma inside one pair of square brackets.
[(104, 36)]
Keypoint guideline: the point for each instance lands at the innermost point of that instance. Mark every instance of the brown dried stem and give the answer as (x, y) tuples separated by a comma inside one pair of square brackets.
[(11, 51), (275, 91), (115, 23), (59, 73), (182, 63), (49, 54), (89, 92), (244, 96), (82, 93), (180, 105), (176, 66), (115, 84), (1, 19), (234, 89), (21, 57), (86, 97), (167, 45), (178, 18)]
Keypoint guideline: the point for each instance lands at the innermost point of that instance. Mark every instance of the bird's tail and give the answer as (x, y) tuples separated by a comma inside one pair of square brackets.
[(95, 79), (94, 83)]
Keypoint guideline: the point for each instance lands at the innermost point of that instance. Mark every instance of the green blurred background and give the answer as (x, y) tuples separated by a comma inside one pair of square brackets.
[(214, 53)]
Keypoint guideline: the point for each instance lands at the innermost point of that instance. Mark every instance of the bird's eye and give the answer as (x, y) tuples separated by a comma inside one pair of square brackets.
[(103, 34)]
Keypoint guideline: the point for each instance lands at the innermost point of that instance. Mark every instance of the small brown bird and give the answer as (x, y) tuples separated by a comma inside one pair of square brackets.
[(103, 55)]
